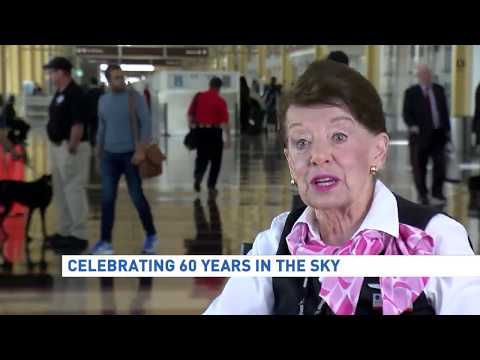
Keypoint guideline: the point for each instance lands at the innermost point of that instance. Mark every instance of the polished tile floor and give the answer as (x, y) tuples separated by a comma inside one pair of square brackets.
[(253, 188)]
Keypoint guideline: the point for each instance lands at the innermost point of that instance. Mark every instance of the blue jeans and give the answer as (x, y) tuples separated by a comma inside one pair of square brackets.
[(112, 167)]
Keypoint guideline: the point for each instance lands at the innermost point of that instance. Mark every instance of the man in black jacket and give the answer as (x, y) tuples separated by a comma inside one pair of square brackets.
[(476, 116), (425, 111)]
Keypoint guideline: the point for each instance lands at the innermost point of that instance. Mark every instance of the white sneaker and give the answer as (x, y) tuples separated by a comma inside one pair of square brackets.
[(102, 248)]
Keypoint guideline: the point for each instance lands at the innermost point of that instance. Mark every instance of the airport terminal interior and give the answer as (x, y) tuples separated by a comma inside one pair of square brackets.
[(254, 182)]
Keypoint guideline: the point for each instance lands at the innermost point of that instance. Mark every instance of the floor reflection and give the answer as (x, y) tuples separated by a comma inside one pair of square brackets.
[(139, 299), (209, 238), (140, 302), (208, 241), (107, 292)]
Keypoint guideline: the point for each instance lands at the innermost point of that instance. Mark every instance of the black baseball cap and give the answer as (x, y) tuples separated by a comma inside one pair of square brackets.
[(339, 56), (59, 63)]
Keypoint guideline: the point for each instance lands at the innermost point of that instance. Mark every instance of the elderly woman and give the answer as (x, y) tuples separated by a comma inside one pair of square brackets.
[(335, 144)]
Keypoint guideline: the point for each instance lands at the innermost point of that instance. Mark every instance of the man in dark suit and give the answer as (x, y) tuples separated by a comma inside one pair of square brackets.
[(476, 117), (426, 114)]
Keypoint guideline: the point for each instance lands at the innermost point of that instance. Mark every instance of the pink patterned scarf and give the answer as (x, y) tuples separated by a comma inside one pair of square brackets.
[(342, 293)]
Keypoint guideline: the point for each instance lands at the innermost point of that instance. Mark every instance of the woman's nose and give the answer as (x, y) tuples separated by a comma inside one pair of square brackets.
[(321, 154)]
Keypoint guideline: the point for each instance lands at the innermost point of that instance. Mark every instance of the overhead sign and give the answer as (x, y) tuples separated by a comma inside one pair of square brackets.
[(187, 52), (124, 51), (156, 62), (127, 51), (96, 51)]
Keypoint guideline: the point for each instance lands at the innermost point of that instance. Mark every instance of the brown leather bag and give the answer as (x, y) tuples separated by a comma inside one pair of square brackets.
[(153, 164)]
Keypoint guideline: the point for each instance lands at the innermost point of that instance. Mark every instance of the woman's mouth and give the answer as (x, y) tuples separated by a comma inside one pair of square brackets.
[(324, 183)]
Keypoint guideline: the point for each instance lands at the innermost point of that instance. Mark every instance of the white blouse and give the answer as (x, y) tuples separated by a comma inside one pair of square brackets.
[(460, 295)]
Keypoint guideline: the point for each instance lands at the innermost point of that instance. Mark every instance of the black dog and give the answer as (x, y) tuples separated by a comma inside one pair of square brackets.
[(33, 195)]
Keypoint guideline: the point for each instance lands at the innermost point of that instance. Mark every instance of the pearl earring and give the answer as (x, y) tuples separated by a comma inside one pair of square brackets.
[(373, 170), (292, 182)]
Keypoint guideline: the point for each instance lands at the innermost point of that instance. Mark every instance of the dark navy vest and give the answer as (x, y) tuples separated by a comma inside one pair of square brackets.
[(295, 296)]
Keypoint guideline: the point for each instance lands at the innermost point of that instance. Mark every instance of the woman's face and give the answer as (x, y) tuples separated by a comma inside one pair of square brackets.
[(330, 153)]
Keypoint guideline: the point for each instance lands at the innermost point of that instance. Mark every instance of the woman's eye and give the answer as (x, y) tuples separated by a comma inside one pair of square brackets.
[(339, 137), (301, 144)]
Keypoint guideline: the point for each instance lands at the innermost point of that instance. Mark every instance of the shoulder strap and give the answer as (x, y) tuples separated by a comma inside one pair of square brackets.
[(414, 214), (291, 218), (133, 118), (288, 291)]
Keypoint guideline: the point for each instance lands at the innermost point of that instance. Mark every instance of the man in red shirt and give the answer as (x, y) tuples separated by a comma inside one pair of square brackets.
[(208, 112)]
